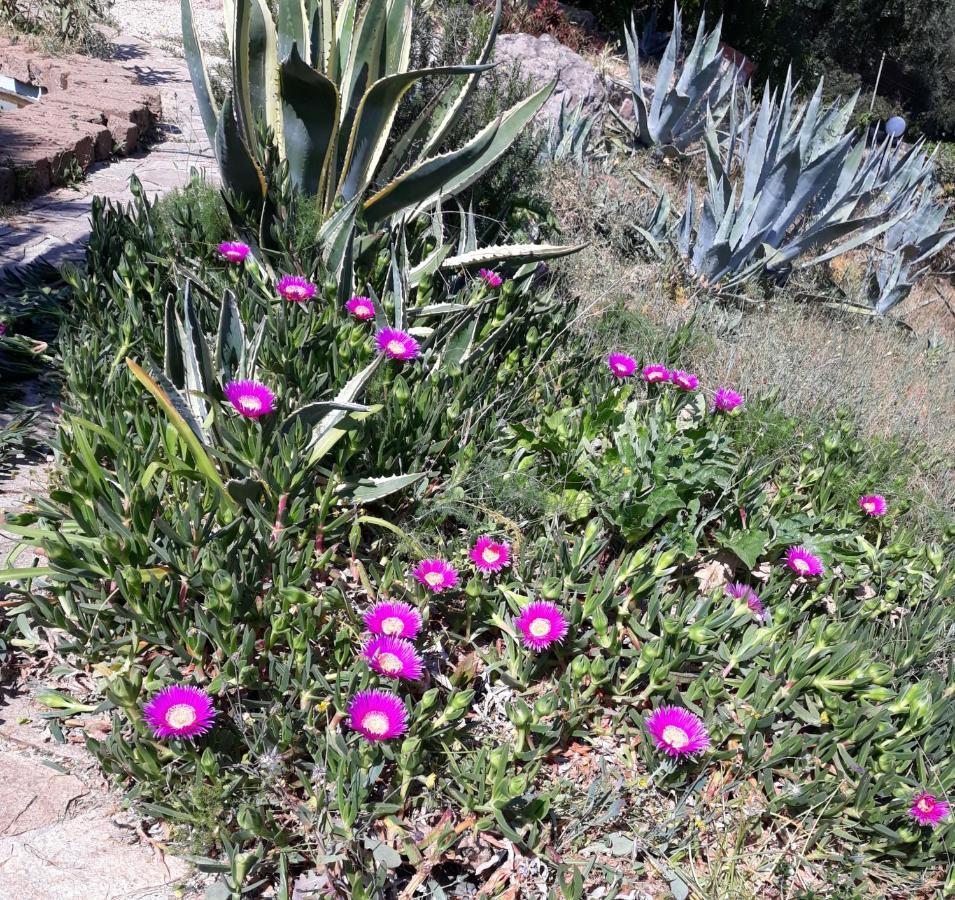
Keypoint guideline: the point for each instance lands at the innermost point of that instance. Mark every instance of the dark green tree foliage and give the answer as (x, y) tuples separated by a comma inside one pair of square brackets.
[(841, 39)]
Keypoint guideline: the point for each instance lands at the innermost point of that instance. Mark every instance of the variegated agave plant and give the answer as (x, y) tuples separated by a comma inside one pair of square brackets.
[(791, 181), (676, 114), (327, 82)]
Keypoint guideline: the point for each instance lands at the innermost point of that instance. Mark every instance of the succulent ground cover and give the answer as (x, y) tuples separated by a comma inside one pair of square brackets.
[(403, 578)]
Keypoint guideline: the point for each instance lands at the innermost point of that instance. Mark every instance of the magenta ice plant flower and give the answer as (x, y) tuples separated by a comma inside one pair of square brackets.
[(250, 398), (393, 657), (295, 288), (179, 711), (394, 619), (726, 399), (621, 365), (687, 381), (655, 374), (542, 624), (677, 731), (396, 344), (873, 505), (378, 715), (927, 809), (361, 308), (489, 555), (234, 251), (739, 591), (804, 563), (436, 575), (491, 279)]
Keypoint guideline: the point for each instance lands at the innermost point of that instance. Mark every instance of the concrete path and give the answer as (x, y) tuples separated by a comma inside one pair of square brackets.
[(64, 834), (55, 226)]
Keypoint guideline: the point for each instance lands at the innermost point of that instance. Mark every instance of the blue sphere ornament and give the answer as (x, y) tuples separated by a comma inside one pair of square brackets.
[(895, 126)]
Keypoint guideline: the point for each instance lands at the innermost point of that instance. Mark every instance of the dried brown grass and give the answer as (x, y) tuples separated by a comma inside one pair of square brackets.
[(896, 384)]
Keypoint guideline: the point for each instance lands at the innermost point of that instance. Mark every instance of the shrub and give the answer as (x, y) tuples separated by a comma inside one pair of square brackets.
[(235, 544), (70, 25)]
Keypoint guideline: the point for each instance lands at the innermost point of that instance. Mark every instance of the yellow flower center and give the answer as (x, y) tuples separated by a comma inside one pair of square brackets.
[(362, 310), (182, 715), (389, 663), (375, 723), (396, 347), (295, 290), (925, 805), (869, 506), (540, 627), (392, 626), (434, 578), (676, 737), (801, 565), (490, 555), (251, 403)]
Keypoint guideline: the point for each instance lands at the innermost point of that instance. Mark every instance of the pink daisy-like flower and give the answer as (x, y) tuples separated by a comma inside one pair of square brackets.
[(491, 279), (927, 809), (233, 251), (394, 657), (378, 715), (250, 398), (542, 624), (394, 619), (726, 399), (655, 374), (295, 288), (436, 575), (179, 711), (804, 563), (740, 591), (621, 365), (685, 380), (489, 555), (677, 732), (396, 344), (873, 505), (361, 308)]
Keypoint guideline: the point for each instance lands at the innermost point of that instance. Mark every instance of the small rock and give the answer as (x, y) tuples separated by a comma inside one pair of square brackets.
[(540, 59)]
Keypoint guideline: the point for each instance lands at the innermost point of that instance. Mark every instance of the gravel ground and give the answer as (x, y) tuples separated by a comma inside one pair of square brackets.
[(160, 22)]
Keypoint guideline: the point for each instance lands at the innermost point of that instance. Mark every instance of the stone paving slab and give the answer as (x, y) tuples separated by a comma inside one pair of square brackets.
[(33, 795), (85, 858), (64, 835)]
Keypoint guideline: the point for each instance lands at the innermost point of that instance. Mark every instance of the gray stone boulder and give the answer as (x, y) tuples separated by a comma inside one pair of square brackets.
[(539, 59)]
